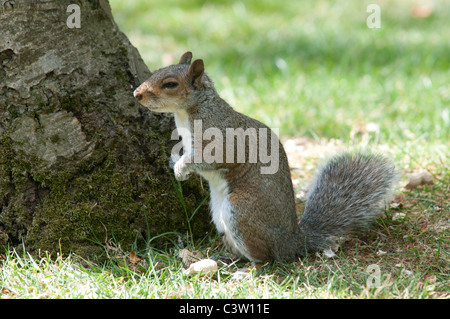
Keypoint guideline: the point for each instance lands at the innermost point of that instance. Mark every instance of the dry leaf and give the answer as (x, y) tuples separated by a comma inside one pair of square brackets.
[(419, 178), (431, 279), (422, 10), (381, 252), (398, 216), (329, 253), (407, 272), (134, 259), (189, 257), (396, 205)]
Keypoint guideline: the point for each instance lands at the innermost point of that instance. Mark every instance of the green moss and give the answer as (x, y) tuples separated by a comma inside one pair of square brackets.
[(75, 102), (55, 138), (120, 75)]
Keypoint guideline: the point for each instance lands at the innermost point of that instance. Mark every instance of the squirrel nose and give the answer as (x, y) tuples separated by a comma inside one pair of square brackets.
[(137, 95)]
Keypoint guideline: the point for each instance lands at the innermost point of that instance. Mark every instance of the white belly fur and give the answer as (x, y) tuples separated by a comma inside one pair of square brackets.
[(219, 204), (221, 211)]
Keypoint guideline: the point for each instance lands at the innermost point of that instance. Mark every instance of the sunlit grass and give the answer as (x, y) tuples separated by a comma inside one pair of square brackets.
[(309, 68)]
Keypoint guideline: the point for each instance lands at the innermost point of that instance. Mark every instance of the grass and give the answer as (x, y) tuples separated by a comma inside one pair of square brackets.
[(311, 69), (413, 266)]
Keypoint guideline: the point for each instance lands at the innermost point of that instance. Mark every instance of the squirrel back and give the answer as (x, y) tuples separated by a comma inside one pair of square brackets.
[(252, 208)]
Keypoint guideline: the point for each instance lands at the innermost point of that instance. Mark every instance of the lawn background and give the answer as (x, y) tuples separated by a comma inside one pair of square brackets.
[(312, 69), (309, 68)]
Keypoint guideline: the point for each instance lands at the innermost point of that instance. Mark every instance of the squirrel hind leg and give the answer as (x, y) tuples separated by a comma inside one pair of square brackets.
[(240, 249)]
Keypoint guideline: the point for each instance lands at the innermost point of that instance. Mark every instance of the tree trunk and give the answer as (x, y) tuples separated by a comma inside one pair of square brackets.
[(80, 161)]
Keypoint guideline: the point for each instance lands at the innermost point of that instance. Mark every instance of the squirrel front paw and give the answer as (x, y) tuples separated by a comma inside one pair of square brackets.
[(173, 159), (180, 171)]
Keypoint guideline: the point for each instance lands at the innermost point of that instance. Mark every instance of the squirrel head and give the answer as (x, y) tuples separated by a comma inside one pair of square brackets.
[(174, 87)]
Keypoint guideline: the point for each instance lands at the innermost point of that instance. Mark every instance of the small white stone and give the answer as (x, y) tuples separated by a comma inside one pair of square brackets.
[(202, 267)]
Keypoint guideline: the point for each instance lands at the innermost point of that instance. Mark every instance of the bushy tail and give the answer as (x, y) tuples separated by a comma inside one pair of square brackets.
[(345, 196)]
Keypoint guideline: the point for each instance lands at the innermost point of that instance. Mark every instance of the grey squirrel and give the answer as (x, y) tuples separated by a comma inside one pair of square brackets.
[(254, 211)]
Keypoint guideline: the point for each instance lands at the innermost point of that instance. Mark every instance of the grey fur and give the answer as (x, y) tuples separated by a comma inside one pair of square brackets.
[(346, 195)]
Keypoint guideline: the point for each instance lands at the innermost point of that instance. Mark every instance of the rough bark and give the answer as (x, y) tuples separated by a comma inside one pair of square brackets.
[(80, 161)]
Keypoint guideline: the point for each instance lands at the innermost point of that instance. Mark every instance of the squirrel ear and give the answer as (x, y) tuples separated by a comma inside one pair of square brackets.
[(186, 58), (195, 72)]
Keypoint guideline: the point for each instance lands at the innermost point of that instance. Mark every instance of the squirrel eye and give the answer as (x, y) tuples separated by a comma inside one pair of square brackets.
[(170, 85)]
